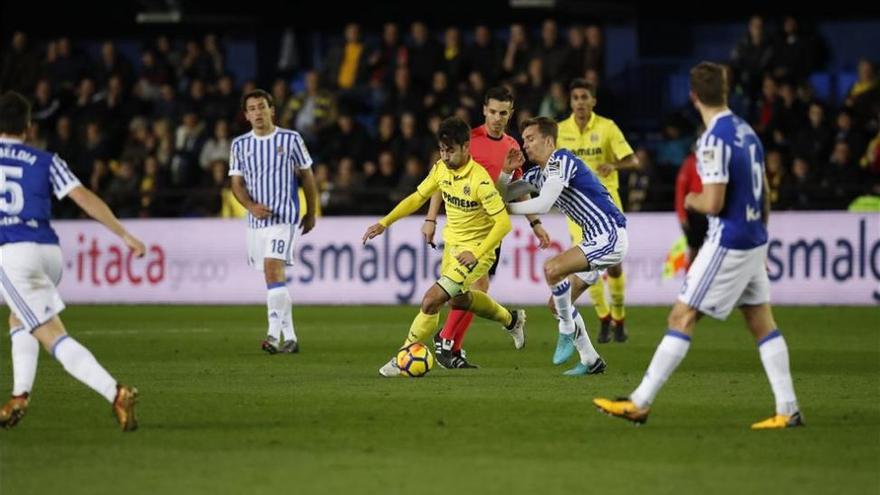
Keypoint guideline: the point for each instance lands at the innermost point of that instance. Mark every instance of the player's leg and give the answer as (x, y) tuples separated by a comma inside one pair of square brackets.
[(616, 288), (579, 284), (447, 344), (596, 290), (422, 326), (25, 351), (556, 272), (275, 246), (461, 329)]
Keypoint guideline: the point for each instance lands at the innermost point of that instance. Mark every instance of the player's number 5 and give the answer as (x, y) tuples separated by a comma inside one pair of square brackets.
[(11, 193)]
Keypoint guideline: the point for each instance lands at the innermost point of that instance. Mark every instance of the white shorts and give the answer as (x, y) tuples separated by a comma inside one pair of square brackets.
[(29, 275), (721, 279), (603, 252), (274, 241)]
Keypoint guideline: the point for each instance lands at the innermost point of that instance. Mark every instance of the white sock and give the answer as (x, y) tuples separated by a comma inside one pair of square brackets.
[(774, 355), (668, 355), (287, 328), (277, 304), (562, 301), (582, 342), (25, 351), (82, 365)]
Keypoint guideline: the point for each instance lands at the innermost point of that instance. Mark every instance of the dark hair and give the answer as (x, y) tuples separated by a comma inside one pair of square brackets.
[(499, 93), (581, 83), (15, 113), (257, 93), (709, 84), (453, 131), (546, 126)]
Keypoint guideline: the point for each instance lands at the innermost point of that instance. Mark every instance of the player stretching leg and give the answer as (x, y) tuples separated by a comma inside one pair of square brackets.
[(566, 182), (31, 266), (730, 269), (489, 148), (476, 222)]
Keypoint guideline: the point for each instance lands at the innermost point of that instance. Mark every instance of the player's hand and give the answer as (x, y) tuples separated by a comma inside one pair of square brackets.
[(467, 259), (604, 169), (308, 223), (543, 236), (373, 231), (428, 230), (134, 244), (260, 211), (513, 160)]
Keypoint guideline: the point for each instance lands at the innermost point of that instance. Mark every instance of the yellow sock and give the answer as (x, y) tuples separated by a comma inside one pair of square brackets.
[(484, 306), (616, 287), (423, 325), (597, 292)]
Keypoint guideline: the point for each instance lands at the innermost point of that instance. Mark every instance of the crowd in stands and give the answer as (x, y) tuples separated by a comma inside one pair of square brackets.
[(151, 136)]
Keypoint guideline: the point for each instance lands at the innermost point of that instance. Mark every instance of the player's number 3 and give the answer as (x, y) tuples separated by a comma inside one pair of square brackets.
[(11, 193)]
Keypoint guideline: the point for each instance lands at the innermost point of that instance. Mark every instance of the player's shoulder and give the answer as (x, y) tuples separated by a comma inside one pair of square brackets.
[(725, 128), (510, 141), (29, 154), (479, 173), (242, 137), (603, 122), (288, 132), (478, 132)]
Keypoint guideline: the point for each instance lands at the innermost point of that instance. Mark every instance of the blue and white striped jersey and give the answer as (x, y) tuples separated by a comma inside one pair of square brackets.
[(28, 177), (730, 152), (583, 198), (267, 164)]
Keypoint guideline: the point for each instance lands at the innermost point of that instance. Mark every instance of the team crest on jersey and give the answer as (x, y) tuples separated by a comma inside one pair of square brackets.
[(467, 190), (708, 155), (280, 150), (594, 138)]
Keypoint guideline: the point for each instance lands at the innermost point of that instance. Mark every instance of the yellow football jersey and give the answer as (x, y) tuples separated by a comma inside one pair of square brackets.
[(600, 142), (471, 200)]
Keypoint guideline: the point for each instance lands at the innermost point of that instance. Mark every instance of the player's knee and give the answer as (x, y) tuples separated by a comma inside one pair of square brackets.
[(681, 319), (615, 271), (461, 301), (432, 302), (552, 273)]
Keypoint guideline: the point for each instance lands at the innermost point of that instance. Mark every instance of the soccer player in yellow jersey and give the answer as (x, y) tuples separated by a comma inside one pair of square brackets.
[(599, 143), (476, 221)]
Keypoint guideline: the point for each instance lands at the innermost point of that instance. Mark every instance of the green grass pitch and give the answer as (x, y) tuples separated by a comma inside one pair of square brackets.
[(217, 415)]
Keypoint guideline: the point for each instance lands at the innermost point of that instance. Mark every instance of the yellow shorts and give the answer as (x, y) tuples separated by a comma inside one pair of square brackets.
[(455, 278), (576, 233)]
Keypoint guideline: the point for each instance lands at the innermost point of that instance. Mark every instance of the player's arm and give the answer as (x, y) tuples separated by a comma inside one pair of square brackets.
[(310, 188), (625, 158), (96, 208), (430, 224), (500, 228), (549, 194), (239, 190), (406, 207), (708, 202)]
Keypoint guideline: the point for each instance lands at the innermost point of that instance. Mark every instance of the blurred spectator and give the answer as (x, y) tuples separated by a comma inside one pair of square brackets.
[(555, 102), (311, 110), (346, 64), (549, 50), (575, 61), (595, 56), (847, 132), (674, 147), (483, 55), (345, 139), (223, 103), (123, 192), (388, 56), (423, 56), (412, 142), (404, 97), (842, 180), (799, 190), (639, 189), (153, 182), (413, 174), (19, 66), (789, 115), (795, 55), (440, 99), (530, 94), (871, 159), (216, 148), (864, 96), (452, 54), (188, 140), (344, 189), (46, 105), (752, 57), (775, 177), (111, 63), (765, 108), (387, 138), (516, 55), (814, 140), (64, 65)]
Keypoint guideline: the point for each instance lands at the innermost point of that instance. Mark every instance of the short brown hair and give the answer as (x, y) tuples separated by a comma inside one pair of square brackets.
[(546, 126), (257, 93), (453, 132), (709, 84)]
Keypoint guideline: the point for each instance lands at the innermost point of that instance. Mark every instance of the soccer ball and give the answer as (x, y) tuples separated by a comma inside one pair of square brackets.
[(415, 360)]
